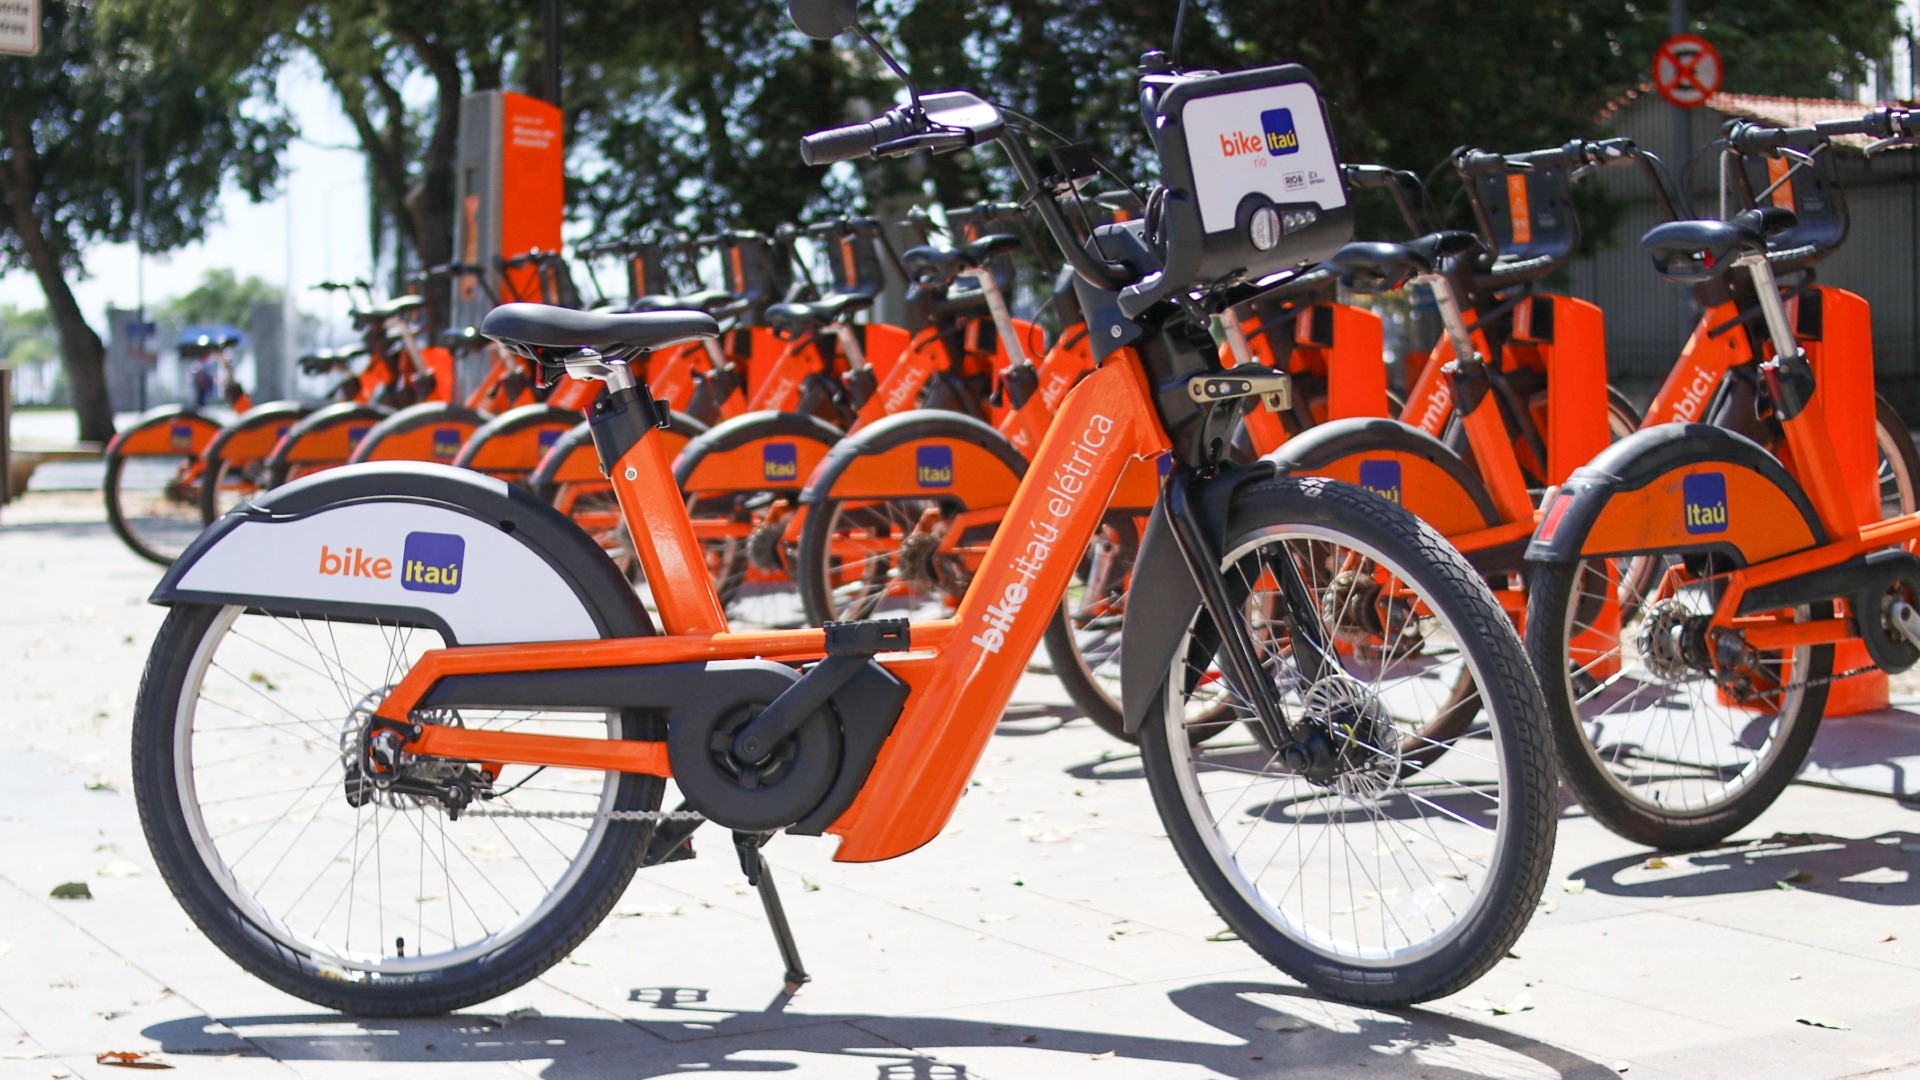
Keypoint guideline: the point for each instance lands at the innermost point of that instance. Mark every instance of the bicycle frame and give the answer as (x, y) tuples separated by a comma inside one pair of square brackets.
[(961, 672)]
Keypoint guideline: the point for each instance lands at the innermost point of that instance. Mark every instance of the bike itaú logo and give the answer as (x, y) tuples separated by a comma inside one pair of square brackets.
[(429, 562), (181, 435), (933, 466), (1704, 497), (1382, 478), (1277, 136), (1064, 491), (446, 442), (780, 461), (432, 562)]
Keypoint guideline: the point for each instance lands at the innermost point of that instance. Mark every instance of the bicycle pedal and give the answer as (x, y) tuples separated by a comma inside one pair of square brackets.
[(865, 637)]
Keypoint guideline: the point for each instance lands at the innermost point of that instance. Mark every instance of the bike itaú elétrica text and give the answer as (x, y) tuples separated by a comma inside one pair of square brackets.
[(1762, 568), (453, 758)]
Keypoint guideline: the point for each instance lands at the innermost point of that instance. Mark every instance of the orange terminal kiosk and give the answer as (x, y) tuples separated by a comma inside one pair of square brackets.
[(510, 183)]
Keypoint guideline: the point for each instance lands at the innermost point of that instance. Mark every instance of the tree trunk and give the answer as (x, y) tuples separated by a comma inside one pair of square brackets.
[(80, 349)]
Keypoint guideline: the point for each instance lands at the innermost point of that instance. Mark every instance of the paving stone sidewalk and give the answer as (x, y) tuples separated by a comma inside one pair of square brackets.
[(1049, 933)]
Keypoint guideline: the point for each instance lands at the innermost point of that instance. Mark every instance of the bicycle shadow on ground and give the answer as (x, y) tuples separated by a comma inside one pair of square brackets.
[(1883, 869), (1259, 1030), (1874, 751)]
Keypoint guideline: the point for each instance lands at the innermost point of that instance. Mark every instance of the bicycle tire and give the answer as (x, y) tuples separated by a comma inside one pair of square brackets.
[(1264, 518), (1898, 460), (158, 550)]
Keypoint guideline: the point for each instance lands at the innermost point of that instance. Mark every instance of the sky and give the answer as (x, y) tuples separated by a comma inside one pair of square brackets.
[(321, 209)]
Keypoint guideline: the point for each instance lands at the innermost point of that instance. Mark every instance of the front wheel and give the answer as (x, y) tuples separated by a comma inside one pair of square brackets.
[(369, 900), (153, 503), (1368, 876)]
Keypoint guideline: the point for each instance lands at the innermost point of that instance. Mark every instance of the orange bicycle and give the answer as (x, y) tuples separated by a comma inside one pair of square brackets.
[(452, 757), (1764, 571)]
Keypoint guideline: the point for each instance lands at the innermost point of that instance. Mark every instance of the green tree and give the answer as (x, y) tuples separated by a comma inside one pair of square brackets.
[(191, 95), (26, 336), (221, 297)]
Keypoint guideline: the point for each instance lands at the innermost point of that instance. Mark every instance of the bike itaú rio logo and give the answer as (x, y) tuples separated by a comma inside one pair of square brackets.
[(780, 461), (182, 436), (1278, 136), (1704, 496), (446, 442), (1382, 478), (933, 466), (429, 562)]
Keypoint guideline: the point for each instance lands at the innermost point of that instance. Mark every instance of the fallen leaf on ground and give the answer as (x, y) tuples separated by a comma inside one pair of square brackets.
[(130, 1059), (1548, 907), (71, 890), (1223, 935), (1622, 1066), (1833, 1022), (1889, 937), (1281, 1023), (101, 783), (1654, 863), (647, 911), (1520, 1003), (1105, 1056), (1574, 886), (994, 916), (809, 884), (121, 868)]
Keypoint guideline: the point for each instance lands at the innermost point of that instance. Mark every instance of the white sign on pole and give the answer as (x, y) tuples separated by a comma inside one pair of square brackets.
[(20, 27)]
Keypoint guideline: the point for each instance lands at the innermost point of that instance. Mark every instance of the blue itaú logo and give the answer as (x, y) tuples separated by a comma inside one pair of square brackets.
[(433, 562), (1382, 478), (933, 466), (1281, 136), (1705, 499), (780, 461)]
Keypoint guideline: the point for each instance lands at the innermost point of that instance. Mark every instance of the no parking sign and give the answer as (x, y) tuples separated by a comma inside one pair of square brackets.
[(1686, 70)]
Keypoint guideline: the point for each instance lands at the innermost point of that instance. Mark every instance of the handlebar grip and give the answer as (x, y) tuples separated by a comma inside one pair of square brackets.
[(1756, 138), (1482, 163), (852, 141)]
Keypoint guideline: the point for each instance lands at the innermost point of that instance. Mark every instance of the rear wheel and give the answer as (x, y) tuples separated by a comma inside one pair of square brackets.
[(1368, 880), (886, 558), (1661, 739), (246, 770), (153, 503), (1899, 462)]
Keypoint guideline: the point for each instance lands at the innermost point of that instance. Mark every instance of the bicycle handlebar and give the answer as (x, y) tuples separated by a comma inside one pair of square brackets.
[(1885, 122), (1582, 157)]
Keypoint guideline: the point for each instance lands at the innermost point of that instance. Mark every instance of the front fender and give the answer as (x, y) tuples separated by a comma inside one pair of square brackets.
[(1678, 487), (429, 431), (516, 440), (475, 558), (1162, 586)]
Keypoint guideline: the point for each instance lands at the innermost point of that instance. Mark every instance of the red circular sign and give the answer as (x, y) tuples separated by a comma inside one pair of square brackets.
[(1687, 71)]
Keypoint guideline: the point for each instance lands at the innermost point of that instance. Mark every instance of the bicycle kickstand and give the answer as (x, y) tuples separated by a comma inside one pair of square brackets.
[(755, 866)]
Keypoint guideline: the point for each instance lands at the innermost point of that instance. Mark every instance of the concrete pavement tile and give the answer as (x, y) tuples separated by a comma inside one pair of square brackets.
[(712, 970), (1714, 975)]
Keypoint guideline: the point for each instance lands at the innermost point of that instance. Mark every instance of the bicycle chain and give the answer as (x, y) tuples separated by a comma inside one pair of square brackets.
[(657, 816)]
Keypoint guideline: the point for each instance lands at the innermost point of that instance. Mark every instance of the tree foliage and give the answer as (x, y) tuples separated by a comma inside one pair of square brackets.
[(222, 296), (191, 105)]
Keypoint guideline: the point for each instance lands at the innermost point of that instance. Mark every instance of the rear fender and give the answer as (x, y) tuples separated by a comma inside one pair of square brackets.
[(475, 558), (1678, 487), (327, 435), (170, 431), (923, 453), (516, 440), (254, 435), (574, 460), (754, 452), (1162, 590), (1399, 463), (429, 431)]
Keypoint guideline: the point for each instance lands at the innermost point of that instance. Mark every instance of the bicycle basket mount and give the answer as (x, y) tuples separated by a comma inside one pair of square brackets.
[(1252, 178)]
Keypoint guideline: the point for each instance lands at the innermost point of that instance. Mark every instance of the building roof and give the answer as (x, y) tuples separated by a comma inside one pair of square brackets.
[(1764, 108)]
